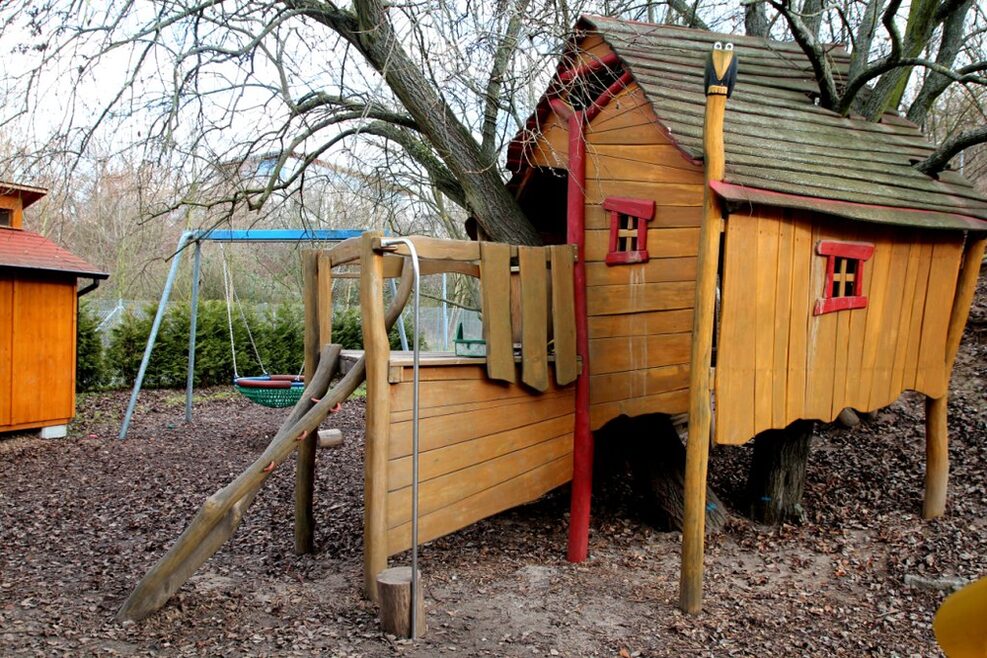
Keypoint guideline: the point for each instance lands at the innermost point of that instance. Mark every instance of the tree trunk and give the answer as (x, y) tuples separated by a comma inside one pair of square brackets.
[(756, 20), (372, 33), (652, 449), (777, 475)]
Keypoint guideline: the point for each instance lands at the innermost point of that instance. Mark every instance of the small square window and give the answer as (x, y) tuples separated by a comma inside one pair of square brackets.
[(6, 217), (628, 229), (844, 275)]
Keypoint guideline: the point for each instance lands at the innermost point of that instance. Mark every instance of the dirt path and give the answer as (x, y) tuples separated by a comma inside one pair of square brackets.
[(82, 519)]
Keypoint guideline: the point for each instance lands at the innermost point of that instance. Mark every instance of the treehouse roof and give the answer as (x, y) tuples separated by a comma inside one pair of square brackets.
[(781, 148)]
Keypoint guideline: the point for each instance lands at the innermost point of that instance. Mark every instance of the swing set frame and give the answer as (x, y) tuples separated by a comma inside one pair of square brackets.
[(196, 238)]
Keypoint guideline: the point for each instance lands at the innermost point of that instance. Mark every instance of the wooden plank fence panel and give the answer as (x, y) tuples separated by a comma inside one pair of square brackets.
[(563, 315), (495, 283), (534, 317)]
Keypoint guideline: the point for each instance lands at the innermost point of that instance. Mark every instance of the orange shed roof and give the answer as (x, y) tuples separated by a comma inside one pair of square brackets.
[(25, 250)]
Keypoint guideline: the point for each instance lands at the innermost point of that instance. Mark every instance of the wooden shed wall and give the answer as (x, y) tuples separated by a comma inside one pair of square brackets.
[(37, 351), (485, 447), (777, 362), (640, 315), (15, 204)]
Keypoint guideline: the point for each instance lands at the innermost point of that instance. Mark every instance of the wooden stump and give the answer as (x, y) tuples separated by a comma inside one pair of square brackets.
[(330, 438), (394, 590), (777, 476)]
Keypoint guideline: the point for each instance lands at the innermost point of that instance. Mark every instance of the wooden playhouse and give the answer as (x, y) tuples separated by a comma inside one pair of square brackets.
[(38, 305), (843, 276), (764, 253)]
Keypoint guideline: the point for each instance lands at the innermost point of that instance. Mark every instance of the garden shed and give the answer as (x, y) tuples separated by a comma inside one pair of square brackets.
[(38, 304), (766, 253)]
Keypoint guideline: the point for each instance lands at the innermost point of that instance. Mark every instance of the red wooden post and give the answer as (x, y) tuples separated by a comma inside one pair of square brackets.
[(582, 446)]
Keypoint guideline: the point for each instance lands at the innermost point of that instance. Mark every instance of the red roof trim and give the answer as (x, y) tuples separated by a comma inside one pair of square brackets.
[(641, 208), (607, 60), (849, 209)]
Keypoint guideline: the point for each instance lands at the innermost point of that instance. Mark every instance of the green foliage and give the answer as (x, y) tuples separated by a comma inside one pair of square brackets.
[(127, 341), (169, 360), (347, 330), (278, 334), (281, 340), (90, 368)]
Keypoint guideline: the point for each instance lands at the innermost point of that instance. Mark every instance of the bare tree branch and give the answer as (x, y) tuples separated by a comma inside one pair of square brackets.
[(936, 162), (502, 57), (949, 47), (690, 14), (814, 50), (373, 35), (963, 75)]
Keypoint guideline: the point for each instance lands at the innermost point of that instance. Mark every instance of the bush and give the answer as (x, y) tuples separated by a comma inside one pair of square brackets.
[(278, 334), (90, 366), (347, 330), (281, 340), (127, 341), (169, 360)]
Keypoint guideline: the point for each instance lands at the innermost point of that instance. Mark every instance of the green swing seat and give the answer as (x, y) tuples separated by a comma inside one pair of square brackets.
[(275, 391)]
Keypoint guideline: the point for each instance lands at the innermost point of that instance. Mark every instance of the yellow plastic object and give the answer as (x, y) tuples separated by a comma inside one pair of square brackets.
[(961, 622)]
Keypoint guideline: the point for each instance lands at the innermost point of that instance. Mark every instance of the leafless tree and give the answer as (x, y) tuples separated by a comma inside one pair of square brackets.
[(406, 105)]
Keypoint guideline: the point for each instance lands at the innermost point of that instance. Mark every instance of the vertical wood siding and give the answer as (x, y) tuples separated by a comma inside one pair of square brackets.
[(15, 204), (485, 447), (640, 315), (777, 362), (37, 352)]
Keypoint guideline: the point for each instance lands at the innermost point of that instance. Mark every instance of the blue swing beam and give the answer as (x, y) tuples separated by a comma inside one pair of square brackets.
[(197, 238)]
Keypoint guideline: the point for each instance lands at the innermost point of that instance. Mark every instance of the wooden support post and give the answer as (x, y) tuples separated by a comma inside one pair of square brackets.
[(325, 298), (936, 415), (305, 458), (376, 352), (581, 489), (394, 586), (936, 457), (700, 408)]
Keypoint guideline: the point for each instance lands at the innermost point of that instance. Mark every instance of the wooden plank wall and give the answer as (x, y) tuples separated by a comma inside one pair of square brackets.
[(777, 362), (15, 204), (6, 347), (640, 315), (485, 447), (37, 352)]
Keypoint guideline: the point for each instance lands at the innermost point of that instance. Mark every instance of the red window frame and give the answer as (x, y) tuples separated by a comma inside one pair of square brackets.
[(643, 211), (857, 252)]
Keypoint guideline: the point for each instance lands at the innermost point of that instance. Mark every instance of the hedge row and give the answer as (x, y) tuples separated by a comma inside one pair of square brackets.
[(277, 333)]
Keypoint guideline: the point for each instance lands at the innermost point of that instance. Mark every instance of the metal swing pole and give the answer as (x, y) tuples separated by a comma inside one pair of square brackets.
[(183, 241), (193, 321)]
